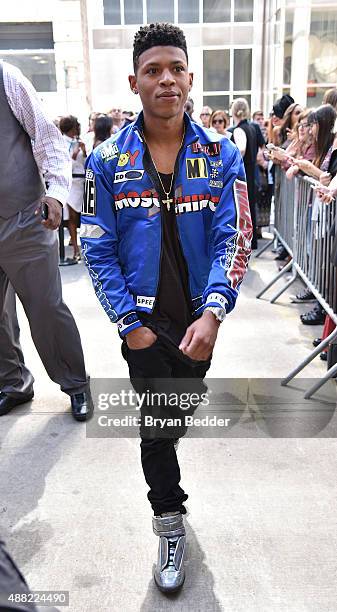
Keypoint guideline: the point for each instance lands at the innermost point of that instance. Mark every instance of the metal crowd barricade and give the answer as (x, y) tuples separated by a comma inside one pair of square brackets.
[(284, 197), (304, 226)]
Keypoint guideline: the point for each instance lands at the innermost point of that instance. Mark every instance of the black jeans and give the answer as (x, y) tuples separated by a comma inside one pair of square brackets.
[(152, 369)]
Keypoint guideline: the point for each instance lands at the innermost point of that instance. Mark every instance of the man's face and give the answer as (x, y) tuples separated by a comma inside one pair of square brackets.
[(116, 113), (163, 81), (205, 116), (259, 119)]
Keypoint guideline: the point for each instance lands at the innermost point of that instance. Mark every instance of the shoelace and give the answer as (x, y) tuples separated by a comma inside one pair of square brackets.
[(172, 543)]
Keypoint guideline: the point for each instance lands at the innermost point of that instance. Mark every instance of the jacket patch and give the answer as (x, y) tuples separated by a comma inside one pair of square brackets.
[(238, 257), (109, 151), (133, 199), (127, 321), (128, 175), (195, 203), (143, 300), (89, 199), (183, 204), (212, 148), (196, 168), (128, 158)]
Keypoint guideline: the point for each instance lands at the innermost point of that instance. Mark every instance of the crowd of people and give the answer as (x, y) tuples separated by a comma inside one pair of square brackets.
[(304, 141)]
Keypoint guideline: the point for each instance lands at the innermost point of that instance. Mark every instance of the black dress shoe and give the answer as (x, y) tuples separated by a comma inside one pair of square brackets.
[(324, 356), (82, 406), (303, 297), (316, 342), (282, 254), (316, 316), (7, 402)]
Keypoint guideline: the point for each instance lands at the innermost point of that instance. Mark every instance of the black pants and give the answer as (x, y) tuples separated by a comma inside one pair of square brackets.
[(162, 367)]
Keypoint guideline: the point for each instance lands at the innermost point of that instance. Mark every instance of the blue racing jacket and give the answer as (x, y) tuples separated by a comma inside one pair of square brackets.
[(121, 222)]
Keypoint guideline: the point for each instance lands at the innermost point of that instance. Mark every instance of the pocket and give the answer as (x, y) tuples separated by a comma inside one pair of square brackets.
[(27, 216), (146, 349)]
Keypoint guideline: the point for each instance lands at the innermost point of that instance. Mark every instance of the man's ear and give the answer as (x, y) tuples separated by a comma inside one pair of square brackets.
[(133, 83), (191, 75)]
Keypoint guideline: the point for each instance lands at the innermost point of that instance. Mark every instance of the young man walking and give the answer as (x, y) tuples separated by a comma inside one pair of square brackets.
[(166, 236)]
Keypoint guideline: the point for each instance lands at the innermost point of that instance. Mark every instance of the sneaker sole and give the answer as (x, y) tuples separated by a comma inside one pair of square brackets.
[(164, 590)]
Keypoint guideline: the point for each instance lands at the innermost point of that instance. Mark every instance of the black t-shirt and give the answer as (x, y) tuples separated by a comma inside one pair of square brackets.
[(172, 313)]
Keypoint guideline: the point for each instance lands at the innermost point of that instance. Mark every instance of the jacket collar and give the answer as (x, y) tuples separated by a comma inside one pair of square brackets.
[(190, 135)]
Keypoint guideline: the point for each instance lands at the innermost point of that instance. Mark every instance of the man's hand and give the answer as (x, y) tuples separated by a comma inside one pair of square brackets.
[(54, 213), (140, 338), (200, 337)]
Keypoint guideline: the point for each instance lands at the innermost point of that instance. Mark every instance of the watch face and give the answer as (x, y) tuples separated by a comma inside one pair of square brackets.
[(219, 313)]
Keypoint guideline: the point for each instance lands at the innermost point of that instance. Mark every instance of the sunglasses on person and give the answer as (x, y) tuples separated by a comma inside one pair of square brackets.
[(218, 121)]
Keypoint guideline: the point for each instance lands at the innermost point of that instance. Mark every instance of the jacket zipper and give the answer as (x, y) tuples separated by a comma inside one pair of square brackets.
[(149, 168), (178, 235), (157, 186)]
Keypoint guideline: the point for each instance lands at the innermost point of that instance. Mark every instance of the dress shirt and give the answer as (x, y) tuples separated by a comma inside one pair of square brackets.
[(48, 146)]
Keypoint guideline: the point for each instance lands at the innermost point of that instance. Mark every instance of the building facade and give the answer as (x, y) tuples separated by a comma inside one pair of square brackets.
[(78, 53)]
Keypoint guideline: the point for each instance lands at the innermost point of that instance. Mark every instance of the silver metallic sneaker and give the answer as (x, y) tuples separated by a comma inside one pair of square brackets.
[(169, 573)]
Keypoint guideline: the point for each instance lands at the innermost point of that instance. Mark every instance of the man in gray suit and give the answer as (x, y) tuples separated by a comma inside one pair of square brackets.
[(31, 146)]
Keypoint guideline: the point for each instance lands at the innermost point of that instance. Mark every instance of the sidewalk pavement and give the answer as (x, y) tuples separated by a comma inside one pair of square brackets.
[(262, 524)]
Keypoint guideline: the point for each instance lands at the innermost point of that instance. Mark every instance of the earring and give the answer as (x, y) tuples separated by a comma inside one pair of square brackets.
[(135, 91)]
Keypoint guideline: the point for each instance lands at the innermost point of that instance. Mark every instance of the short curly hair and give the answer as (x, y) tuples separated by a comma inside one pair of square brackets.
[(157, 35), (69, 123)]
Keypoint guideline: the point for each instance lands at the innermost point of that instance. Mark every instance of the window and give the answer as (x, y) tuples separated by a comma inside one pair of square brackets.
[(217, 102), (216, 70), (188, 11), (160, 11), (39, 69), (242, 69), (315, 96), (246, 97), (288, 46), (243, 10), (133, 11), (26, 36), (217, 10), (27, 43), (323, 47), (112, 12)]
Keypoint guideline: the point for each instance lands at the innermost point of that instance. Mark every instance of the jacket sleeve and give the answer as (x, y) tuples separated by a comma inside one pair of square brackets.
[(100, 247), (230, 238)]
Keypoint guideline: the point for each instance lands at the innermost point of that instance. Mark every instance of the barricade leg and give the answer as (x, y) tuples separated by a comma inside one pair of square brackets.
[(330, 374), (286, 286), (264, 248), (286, 268), (310, 357)]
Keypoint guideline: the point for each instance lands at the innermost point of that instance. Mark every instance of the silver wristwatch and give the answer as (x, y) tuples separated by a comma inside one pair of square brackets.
[(219, 313)]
